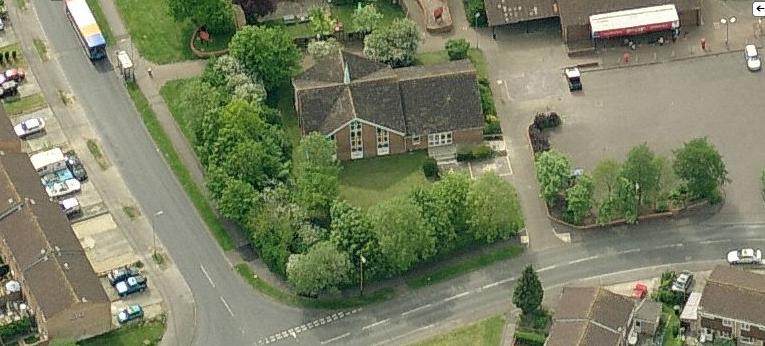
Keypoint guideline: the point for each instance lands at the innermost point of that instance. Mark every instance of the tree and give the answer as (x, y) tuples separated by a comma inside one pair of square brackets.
[(319, 49), (228, 75), (216, 15), (471, 8), (197, 99), (452, 191), (237, 199), (395, 45), (701, 166), (436, 213), (403, 236), (553, 171), (366, 18), (321, 19), (627, 199), (605, 177), (607, 210), (317, 175), (256, 8), (579, 198), (267, 53), (493, 208), (257, 163), (640, 169), (457, 49), (321, 268), (273, 227), (528, 292), (351, 231)]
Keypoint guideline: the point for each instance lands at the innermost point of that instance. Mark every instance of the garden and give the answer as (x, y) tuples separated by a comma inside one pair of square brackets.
[(643, 185)]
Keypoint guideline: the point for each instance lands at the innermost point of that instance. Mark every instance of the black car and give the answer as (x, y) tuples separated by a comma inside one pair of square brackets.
[(76, 167)]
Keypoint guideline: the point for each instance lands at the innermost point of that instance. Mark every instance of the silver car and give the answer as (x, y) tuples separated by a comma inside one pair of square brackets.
[(745, 256)]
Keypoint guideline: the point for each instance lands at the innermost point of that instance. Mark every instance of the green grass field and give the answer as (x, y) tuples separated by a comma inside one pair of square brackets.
[(438, 57), (466, 266), (367, 182), (133, 335), (172, 92), (24, 104), (484, 333)]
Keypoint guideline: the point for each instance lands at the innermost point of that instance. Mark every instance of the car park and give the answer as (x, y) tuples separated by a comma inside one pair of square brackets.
[(70, 206), (752, 58), (75, 166), (132, 312), (63, 188), (683, 282), (133, 284), (29, 127), (745, 256), (121, 274)]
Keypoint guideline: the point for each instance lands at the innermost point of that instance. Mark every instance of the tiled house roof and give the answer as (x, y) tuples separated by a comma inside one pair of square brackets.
[(736, 294), (590, 316)]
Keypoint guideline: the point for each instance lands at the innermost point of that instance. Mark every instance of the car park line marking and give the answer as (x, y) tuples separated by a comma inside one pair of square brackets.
[(336, 338), (547, 268), (456, 296), (376, 324), (226, 305), (583, 259), (207, 275), (416, 309), (705, 242), (509, 167)]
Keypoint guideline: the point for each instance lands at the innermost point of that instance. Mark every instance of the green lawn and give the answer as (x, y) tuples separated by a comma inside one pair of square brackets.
[(283, 99), (670, 322), (172, 92), (132, 335), (20, 60), (367, 182), (475, 55), (484, 333), (465, 266), (344, 14), (194, 192), (290, 299), (24, 104), (158, 37), (95, 7)]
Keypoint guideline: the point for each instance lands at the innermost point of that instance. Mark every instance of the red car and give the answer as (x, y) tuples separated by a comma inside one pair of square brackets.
[(15, 74)]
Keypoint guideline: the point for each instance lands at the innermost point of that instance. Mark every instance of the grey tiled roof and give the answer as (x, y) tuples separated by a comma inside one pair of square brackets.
[(590, 316), (736, 294)]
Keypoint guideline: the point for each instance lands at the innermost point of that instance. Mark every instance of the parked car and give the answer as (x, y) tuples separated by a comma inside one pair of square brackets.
[(70, 206), (752, 58), (133, 284), (29, 127), (683, 283), (15, 74), (121, 274), (9, 88), (132, 312), (75, 166), (58, 176), (745, 256), (63, 188), (2, 25)]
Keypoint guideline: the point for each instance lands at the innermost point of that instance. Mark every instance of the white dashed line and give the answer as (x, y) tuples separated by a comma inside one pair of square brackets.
[(336, 338), (207, 275), (714, 241), (628, 251), (669, 246), (547, 268), (416, 309), (375, 324), (457, 296), (227, 307), (583, 260)]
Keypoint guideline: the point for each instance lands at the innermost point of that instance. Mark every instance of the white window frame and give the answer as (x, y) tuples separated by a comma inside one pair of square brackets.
[(746, 340), (723, 334), (383, 142), (356, 132), (331, 137), (745, 326), (416, 140), (727, 323), (439, 139)]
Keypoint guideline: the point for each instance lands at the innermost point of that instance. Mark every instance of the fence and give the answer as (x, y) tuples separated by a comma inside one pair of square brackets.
[(343, 37)]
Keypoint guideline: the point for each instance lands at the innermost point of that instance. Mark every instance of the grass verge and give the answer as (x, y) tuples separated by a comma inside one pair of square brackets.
[(194, 192), (159, 37), (95, 150), (144, 333), (42, 49), (24, 104), (98, 13), (18, 61), (466, 266), (485, 333), (474, 54), (21, 4), (172, 92), (131, 212), (290, 299), (364, 183), (671, 328)]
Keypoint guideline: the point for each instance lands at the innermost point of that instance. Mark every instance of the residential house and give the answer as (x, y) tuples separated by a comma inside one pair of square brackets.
[(733, 306), (589, 316), (370, 109), (647, 317)]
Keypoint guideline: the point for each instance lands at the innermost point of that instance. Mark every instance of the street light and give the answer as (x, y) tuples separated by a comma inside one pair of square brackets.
[(477, 15), (362, 260), (153, 232), (727, 22)]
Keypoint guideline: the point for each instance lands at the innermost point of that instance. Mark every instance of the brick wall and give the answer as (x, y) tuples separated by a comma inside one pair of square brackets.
[(343, 141), (369, 133), (689, 18), (397, 143), (467, 137)]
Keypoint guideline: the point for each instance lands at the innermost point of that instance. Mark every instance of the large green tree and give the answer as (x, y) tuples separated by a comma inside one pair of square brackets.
[(605, 176), (579, 198), (437, 214), (321, 20), (273, 227), (403, 235), (702, 168), (237, 199), (640, 169), (320, 49), (317, 175), (493, 208), (267, 53), (198, 98), (627, 199), (351, 231), (451, 192), (457, 48), (217, 15), (366, 18), (322, 268), (395, 45), (553, 171), (528, 292)]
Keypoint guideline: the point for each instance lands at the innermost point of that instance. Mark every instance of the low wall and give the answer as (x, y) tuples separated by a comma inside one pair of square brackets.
[(202, 54)]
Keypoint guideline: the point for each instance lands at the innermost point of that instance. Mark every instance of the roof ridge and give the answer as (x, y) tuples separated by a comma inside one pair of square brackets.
[(448, 73), (727, 284), (353, 104)]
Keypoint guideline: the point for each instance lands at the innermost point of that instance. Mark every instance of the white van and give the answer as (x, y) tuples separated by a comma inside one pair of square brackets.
[(753, 62), (48, 161)]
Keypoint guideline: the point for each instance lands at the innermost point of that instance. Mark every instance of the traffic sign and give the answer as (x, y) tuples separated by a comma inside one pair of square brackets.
[(758, 8)]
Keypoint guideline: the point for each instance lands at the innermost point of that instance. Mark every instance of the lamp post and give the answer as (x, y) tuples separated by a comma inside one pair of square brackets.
[(477, 15), (362, 260), (153, 232), (727, 22)]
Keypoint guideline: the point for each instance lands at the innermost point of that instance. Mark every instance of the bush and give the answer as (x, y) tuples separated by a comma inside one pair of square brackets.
[(483, 152), (457, 49), (487, 101), (492, 128), (465, 154), (545, 121), (539, 142), (15, 328), (430, 168), (530, 338), (471, 8)]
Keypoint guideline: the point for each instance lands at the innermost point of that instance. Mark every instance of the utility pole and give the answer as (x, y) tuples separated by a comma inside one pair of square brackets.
[(362, 260)]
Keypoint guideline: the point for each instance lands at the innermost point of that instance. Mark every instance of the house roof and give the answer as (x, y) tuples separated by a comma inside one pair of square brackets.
[(500, 12), (8, 139), (736, 294), (418, 100), (62, 278), (648, 310), (579, 12), (591, 316)]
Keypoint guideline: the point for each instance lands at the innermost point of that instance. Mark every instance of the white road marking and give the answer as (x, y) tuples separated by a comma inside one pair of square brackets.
[(227, 307), (547, 268), (336, 338), (207, 275), (391, 340), (669, 246), (628, 251), (416, 309), (375, 324), (487, 286), (705, 242), (509, 167), (457, 296), (583, 260)]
